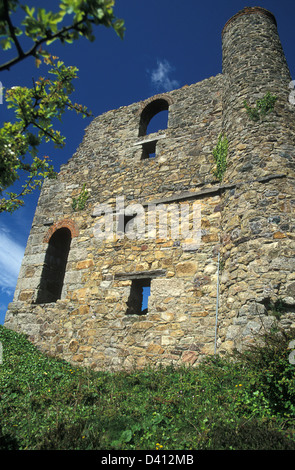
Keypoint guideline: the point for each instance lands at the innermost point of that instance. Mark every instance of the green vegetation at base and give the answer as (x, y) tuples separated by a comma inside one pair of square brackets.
[(243, 402)]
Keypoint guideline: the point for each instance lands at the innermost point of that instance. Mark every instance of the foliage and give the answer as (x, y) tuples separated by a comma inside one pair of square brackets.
[(263, 106), (36, 109), (220, 157), (80, 202), (240, 402), (74, 19), (275, 388), (249, 435)]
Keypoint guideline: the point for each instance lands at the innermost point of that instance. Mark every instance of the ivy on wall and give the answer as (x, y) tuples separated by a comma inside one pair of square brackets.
[(220, 157), (79, 203), (262, 107)]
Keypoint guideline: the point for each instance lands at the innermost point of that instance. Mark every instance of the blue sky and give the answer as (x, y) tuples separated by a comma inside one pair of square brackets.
[(168, 44)]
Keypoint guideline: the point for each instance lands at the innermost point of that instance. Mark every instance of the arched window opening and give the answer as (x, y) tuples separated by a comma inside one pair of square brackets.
[(158, 122), (54, 268), (154, 117)]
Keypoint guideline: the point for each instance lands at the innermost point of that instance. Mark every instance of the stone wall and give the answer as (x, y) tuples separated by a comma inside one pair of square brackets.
[(246, 220)]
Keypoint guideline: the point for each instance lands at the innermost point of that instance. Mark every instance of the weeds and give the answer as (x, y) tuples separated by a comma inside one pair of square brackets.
[(263, 107), (79, 203), (220, 157), (242, 402)]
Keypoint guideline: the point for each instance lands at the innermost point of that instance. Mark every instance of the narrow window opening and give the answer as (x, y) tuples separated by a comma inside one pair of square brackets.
[(146, 291), (54, 268), (123, 220), (138, 299), (149, 150)]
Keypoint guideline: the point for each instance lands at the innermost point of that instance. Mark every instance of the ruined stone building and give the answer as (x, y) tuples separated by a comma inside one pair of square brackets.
[(91, 252)]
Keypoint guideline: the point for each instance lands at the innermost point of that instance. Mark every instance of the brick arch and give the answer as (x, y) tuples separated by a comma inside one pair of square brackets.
[(161, 96), (65, 223)]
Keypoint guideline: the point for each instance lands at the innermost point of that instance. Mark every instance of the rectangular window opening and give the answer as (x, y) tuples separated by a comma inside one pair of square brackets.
[(123, 220), (149, 150), (138, 299)]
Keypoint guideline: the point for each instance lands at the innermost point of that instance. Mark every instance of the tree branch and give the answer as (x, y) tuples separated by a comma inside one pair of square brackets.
[(12, 30), (32, 51)]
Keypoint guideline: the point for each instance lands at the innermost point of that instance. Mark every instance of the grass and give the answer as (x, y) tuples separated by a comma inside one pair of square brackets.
[(244, 402)]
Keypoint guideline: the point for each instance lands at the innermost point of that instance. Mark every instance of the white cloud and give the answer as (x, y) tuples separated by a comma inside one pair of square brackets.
[(160, 76), (11, 254)]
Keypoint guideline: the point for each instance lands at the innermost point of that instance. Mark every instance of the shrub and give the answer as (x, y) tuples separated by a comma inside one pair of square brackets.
[(272, 375), (248, 435)]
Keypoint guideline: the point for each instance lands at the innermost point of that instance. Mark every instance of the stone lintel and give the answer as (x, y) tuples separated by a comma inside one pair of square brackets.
[(150, 139), (140, 275)]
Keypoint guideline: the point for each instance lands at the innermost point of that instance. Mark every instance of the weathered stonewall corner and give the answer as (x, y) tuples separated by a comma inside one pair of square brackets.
[(79, 293)]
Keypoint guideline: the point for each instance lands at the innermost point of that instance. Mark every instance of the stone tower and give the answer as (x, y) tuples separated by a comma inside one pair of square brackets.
[(215, 254), (257, 216)]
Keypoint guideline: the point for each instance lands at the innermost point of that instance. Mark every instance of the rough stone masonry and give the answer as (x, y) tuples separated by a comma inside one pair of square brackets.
[(80, 293)]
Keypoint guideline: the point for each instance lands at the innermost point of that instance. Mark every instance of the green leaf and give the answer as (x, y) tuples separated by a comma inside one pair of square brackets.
[(119, 27), (126, 436), (29, 11), (6, 44)]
